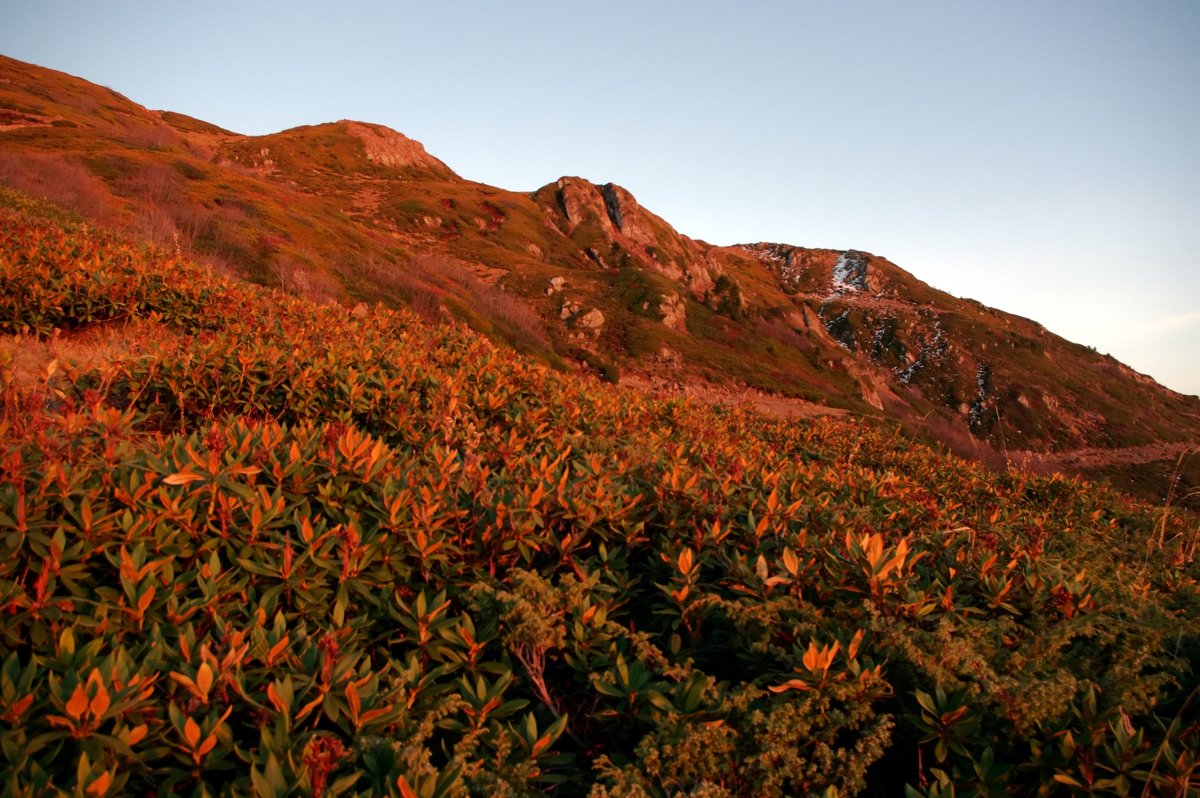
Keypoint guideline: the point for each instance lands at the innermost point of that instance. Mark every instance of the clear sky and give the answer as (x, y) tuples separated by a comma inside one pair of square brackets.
[(1041, 157)]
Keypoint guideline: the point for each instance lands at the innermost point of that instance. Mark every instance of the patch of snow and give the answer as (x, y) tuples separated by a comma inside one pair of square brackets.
[(983, 376), (842, 334), (931, 351), (781, 259), (850, 272)]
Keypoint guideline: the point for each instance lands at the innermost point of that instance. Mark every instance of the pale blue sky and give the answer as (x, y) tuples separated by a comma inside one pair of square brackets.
[(1040, 157)]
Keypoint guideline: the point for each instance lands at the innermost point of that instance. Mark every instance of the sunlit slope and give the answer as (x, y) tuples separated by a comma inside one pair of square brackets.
[(579, 275), (253, 544)]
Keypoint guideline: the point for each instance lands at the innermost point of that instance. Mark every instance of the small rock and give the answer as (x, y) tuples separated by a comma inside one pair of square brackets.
[(592, 320)]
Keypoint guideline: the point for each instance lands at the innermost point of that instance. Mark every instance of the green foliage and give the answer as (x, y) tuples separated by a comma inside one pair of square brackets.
[(726, 298), (285, 550)]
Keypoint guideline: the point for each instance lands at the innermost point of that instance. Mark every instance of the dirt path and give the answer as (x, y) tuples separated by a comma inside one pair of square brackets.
[(770, 404), (1072, 461), (1086, 459)]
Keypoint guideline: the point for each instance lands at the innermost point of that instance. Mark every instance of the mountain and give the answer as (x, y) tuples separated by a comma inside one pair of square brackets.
[(580, 273), (260, 540)]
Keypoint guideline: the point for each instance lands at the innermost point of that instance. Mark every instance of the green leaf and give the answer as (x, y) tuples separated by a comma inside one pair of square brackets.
[(659, 700)]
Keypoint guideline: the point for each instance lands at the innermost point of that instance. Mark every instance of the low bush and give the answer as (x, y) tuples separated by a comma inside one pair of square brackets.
[(286, 549)]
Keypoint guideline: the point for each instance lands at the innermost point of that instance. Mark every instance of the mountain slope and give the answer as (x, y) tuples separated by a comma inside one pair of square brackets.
[(573, 272)]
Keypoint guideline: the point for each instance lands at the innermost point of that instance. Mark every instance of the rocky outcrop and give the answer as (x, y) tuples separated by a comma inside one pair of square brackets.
[(582, 203), (674, 312), (613, 229), (592, 320), (386, 147), (625, 213), (573, 314)]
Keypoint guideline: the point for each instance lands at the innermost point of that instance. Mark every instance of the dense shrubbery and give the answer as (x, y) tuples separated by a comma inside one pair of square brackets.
[(288, 551)]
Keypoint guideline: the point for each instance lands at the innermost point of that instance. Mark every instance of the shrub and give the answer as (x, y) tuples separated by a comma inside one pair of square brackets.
[(286, 549)]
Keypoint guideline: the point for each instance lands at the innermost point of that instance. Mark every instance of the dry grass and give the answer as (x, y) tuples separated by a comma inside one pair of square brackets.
[(96, 347), (60, 181)]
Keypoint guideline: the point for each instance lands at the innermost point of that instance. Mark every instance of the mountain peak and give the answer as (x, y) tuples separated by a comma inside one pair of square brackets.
[(345, 147), (388, 147)]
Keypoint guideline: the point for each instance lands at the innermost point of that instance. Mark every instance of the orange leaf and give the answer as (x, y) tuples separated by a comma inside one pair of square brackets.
[(405, 790), (276, 699), (204, 679), (685, 561), (790, 684), (541, 745), (100, 785), (276, 650), (18, 709), (136, 734), (953, 715), (371, 714), (855, 644), (207, 745), (181, 478), (128, 569), (78, 703), (100, 702), (191, 732), (873, 548), (791, 561), (186, 682), (812, 657), (309, 707), (145, 599)]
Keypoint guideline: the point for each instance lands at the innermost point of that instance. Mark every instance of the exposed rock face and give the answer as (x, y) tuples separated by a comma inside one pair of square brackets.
[(386, 147), (628, 232), (674, 312), (626, 214), (581, 203)]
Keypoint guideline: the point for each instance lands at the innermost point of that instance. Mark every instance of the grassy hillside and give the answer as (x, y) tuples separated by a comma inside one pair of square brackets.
[(576, 274), (255, 545)]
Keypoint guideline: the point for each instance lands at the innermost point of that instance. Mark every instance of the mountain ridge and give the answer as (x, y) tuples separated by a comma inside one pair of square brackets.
[(573, 272)]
